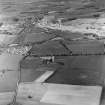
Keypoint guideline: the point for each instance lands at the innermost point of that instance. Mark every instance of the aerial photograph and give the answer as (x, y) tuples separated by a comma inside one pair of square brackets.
[(52, 52)]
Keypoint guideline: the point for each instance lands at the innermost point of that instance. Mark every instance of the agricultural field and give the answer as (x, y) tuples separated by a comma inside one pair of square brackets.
[(62, 36)]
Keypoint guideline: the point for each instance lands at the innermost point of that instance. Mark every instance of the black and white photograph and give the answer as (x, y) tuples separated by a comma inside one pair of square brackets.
[(52, 52)]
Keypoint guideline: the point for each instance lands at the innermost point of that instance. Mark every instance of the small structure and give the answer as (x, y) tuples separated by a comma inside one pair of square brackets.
[(47, 59)]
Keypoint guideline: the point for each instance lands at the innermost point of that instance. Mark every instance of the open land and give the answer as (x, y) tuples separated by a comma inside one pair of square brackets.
[(73, 31)]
